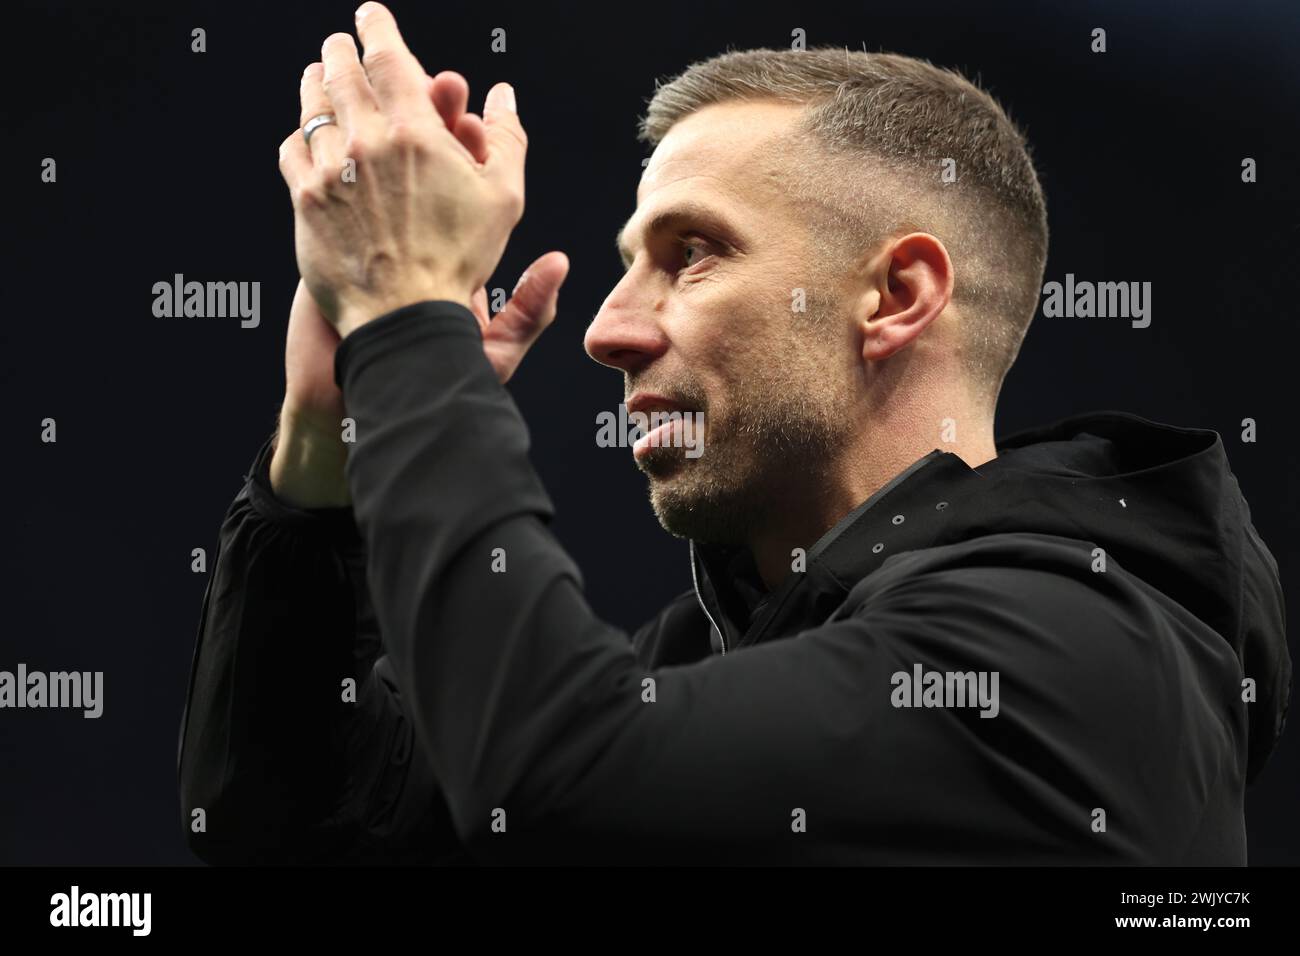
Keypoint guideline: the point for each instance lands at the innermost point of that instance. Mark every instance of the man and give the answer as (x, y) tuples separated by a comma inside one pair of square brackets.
[(906, 643)]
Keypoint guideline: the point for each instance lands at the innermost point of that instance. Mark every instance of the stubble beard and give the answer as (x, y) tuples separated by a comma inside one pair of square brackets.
[(784, 430)]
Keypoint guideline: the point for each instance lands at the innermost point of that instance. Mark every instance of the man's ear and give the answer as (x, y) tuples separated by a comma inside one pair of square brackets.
[(912, 284)]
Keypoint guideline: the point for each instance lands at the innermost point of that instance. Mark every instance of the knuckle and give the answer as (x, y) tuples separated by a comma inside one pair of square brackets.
[(516, 132), (285, 158), (513, 201), (357, 147), (403, 136), (338, 81), (312, 194), (380, 58)]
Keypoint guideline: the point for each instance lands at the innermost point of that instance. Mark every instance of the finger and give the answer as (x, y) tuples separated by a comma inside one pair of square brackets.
[(326, 145), (527, 315), (537, 289), (473, 136), (351, 99), (507, 141), (449, 93), (395, 75), (295, 160)]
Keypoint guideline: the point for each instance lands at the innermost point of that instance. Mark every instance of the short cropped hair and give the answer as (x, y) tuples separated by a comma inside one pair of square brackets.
[(868, 160)]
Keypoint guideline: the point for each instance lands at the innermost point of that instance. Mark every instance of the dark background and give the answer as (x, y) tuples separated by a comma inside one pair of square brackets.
[(167, 163)]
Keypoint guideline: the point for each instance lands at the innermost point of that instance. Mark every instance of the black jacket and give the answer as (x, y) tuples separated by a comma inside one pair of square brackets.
[(1104, 568)]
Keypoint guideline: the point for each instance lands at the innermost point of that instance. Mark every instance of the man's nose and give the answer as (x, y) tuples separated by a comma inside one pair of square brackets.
[(626, 333)]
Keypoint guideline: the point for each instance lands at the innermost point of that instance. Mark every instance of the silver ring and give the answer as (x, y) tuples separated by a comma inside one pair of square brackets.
[(315, 123)]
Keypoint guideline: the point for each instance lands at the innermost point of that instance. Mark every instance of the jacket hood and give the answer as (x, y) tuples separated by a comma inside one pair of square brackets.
[(1160, 500)]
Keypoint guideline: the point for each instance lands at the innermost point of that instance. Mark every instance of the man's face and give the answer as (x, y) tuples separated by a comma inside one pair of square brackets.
[(706, 319)]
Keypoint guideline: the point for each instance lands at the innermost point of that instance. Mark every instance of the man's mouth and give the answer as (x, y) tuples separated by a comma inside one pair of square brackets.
[(666, 424), (649, 402)]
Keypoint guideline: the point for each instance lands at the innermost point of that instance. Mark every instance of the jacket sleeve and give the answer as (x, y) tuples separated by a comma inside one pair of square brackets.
[(550, 739), (281, 759)]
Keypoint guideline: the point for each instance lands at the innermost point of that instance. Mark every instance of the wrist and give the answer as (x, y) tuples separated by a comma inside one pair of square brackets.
[(352, 318), (307, 467)]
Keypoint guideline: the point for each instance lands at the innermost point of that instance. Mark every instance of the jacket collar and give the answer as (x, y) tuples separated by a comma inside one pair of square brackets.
[(908, 512)]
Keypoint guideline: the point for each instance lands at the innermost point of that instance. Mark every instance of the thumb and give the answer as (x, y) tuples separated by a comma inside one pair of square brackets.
[(535, 295), (531, 308), (506, 139)]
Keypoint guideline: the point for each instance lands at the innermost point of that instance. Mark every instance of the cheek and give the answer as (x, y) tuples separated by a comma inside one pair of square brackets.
[(730, 352), (734, 336)]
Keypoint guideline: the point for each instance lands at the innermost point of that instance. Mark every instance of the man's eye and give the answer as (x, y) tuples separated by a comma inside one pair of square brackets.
[(692, 245)]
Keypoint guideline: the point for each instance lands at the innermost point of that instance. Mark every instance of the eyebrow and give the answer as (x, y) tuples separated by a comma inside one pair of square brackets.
[(666, 218)]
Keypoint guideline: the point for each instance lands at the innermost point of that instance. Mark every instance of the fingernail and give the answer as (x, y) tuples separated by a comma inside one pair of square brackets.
[(519, 283), (503, 96), (362, 10)]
